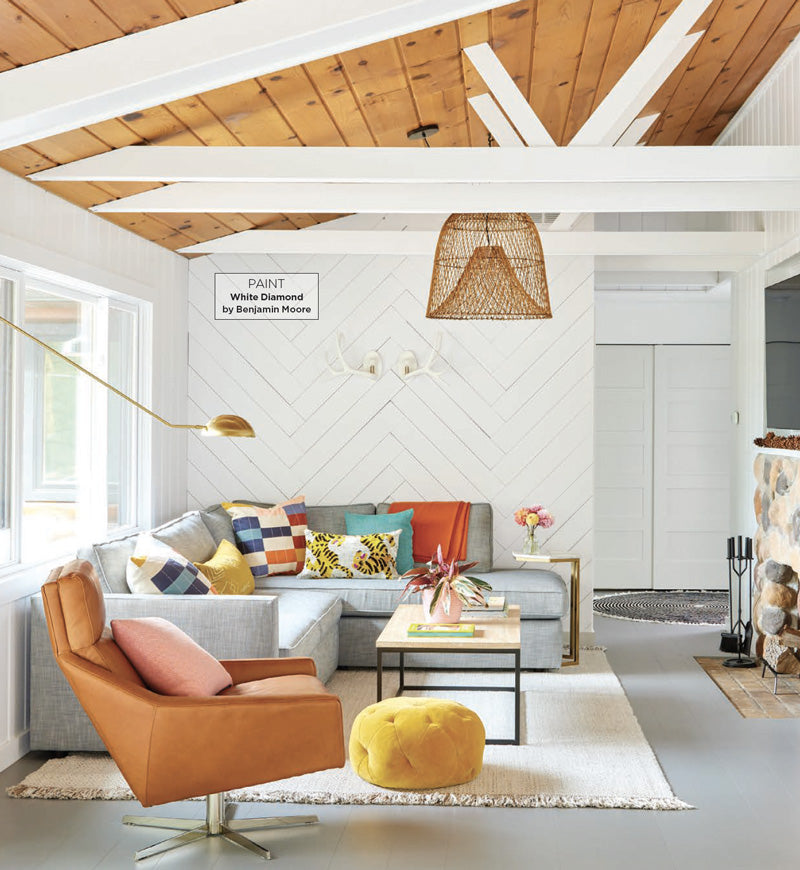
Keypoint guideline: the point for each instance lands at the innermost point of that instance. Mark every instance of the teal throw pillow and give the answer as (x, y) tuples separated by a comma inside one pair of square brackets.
[(367, 524)]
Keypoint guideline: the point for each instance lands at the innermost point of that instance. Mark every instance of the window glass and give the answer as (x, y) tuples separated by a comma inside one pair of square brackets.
[(57, 427), (68, 446)]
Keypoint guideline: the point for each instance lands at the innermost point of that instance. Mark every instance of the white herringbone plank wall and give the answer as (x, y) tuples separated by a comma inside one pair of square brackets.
[(509, 421)]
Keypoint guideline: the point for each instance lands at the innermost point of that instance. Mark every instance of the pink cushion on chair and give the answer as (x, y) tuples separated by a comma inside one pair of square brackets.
[(167, 659)]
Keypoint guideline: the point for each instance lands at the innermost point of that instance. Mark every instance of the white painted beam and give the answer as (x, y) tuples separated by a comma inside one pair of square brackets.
[(434, 165), (636, 280), (495, 121), (413, 242), (637, 128), (647, 263), (200, 53), (433, 198), (643, 77), (508, 95)]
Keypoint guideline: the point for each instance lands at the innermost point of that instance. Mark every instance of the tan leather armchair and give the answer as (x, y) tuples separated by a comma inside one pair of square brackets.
[(276, 720)]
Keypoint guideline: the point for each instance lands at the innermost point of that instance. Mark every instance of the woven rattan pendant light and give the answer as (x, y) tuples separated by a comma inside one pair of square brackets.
[(489, 267)]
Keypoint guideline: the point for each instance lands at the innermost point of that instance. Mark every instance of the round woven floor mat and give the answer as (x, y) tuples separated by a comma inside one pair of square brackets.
[(685, 608)]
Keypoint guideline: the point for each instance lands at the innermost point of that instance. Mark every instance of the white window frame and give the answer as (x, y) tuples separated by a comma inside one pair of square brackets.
[(96, 524)]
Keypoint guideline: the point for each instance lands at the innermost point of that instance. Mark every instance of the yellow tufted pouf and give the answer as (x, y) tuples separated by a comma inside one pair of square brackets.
[(417, 743)]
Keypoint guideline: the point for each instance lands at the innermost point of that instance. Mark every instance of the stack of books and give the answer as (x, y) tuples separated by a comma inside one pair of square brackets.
[(441, 629), (497, 608)]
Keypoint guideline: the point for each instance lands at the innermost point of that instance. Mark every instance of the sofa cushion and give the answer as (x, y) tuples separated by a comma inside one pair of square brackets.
[(350, 556), (155, 568), (227, 571), (272, 540), (187, 535), (309, 626), (479, 534), (218, 522), (330, 517), (540, 594), (324, 518), (365, 524), (167, 659)]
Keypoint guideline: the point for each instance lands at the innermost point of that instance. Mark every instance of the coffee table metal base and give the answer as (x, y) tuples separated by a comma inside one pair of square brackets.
[(442, 688)]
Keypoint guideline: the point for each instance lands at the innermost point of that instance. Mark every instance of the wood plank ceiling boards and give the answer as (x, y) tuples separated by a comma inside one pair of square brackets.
[(564, 56)]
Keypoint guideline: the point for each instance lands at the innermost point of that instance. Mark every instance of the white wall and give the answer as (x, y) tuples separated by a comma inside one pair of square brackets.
[(663, 317), (41, 230), (770, 117), (509, 422)]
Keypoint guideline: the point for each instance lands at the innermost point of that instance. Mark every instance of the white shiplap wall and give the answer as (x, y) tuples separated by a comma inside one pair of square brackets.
[(771, 116), (41, 230), (509, 422)]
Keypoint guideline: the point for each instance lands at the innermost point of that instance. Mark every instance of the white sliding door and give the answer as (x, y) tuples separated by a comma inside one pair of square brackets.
[(623, 466), (691, 466)]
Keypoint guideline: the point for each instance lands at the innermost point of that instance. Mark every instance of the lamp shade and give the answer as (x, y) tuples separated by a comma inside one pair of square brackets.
[(230, 426), (489, 267)]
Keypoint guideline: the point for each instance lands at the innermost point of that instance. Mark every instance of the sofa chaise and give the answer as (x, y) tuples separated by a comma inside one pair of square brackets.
[(333, 621)]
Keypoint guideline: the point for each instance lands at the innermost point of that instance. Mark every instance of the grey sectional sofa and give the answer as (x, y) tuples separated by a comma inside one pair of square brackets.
[(335, 622)]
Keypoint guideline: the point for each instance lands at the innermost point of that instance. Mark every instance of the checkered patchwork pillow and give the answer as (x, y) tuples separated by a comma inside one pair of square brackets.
[(155, 568), (272, 540)]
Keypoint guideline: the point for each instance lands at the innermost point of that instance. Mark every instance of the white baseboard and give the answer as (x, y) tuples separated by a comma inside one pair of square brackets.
[(12, 750)]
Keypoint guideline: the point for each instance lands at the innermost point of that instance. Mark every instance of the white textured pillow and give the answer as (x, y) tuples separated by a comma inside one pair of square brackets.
[(155, 568), (350, 556)]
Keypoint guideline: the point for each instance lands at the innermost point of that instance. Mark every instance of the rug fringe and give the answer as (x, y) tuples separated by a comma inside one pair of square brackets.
[(457, 800), (55, 793), (405, 798)]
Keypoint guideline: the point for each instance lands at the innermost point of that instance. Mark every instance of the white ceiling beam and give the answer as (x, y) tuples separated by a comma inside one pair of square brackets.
[(567, 220), (508, 95), (646, 280), (412, 242), (495, 121), (647, 263), (643, 77), (200, 53), (610, 195), (434, 165), (636, 130)]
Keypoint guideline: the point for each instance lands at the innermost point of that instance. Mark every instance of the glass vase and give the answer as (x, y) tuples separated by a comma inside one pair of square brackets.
[(530, 546)]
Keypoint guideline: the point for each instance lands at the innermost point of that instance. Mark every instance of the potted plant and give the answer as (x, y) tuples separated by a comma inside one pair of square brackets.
[(445, 588)]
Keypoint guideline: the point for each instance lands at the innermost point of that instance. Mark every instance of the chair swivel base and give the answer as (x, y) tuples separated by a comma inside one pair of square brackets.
[(215, 825)]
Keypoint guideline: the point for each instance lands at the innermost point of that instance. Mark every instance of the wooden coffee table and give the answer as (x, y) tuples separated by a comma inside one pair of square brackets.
[(492, 636)]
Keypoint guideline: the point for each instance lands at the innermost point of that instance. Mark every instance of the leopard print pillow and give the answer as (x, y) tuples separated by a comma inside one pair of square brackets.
[(351, 556)]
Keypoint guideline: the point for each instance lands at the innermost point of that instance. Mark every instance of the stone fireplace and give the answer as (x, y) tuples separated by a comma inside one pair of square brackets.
[(777, 544)]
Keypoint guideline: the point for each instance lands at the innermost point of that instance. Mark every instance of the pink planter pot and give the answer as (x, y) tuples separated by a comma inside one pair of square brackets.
[(438, 614)]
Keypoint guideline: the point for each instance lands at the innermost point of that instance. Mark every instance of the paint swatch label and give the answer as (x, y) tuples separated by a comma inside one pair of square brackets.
[(266, 296)]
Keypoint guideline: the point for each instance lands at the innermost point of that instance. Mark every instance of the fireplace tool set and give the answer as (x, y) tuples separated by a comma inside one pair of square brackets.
[(739, 638)]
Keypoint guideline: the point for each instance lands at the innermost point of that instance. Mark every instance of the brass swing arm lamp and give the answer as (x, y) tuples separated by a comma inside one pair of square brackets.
[(228, 425)]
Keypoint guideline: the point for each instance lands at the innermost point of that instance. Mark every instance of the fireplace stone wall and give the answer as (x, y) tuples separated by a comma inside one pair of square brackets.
[(777, 544)]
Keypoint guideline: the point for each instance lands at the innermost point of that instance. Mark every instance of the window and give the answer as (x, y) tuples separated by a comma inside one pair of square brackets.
[(69, 446)]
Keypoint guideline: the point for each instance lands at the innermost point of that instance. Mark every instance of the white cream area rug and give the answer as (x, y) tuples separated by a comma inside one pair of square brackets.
[(581, 747)]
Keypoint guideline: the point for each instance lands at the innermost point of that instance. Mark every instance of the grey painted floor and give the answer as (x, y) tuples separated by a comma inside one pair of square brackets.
[(742, 775)]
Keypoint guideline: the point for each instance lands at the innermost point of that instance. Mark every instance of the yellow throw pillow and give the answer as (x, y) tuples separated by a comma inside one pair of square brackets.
[(228, 571)]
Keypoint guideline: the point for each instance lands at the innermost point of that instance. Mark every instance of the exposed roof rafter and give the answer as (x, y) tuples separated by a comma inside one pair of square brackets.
[(200, 53), (366, 165), (610, 195), (716, 245)]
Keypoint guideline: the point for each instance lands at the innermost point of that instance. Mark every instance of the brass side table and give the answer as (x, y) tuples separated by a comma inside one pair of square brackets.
[(573, 656)]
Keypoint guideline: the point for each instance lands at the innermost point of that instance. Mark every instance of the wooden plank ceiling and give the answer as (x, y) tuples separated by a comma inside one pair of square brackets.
[(565, 55)]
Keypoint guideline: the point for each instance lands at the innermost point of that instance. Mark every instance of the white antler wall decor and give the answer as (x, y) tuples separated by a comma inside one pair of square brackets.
[(408, 367), (371, 366)]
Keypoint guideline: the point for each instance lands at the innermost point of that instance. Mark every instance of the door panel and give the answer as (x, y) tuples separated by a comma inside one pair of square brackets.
[(623, 466), (691, 466)]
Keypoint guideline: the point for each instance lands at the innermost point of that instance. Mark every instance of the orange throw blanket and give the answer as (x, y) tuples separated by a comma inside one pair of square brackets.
[(434, 523)]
